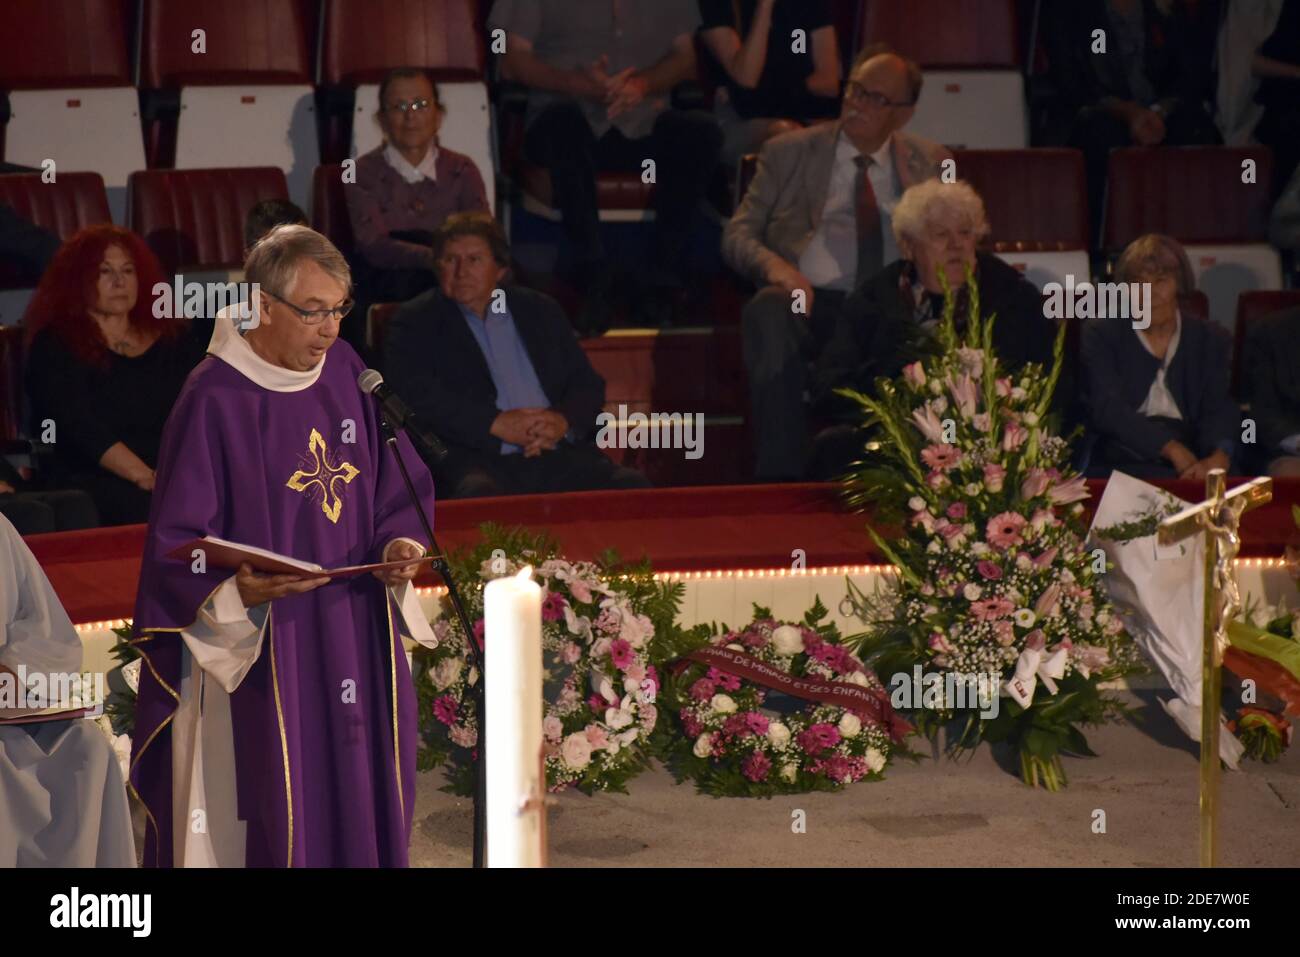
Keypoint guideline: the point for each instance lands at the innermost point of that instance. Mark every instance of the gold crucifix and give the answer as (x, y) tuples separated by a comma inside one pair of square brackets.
[(1218, 517)]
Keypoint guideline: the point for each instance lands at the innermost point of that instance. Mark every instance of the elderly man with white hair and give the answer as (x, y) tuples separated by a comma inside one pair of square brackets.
[(889, 321)]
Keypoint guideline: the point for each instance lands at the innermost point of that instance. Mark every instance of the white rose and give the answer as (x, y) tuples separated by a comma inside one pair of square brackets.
[(972, 488), (933, 548), (778, 734), (875, 760), (445, 672), (979, 548), (787, 640), (916, 503), (735, 647), (576, 751), (789, 772), (617, 718), (972, 592), (703, 746), (859, 679), (722, 704), (850, 725), (1029, 418)]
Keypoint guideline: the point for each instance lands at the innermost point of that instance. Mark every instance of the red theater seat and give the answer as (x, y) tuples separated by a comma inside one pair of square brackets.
[(362, 40), (65, 69), (1037, 203), (72, 201), (329, 207), (974, 93), (194, 219), (1252, 306), (245, 100), (1196, 195)]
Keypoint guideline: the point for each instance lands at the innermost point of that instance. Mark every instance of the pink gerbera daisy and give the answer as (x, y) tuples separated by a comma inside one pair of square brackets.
[(941, 457), (1003, 531)]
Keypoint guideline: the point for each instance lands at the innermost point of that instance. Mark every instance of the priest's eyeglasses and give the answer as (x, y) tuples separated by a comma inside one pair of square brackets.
[(856, 91), (314, 317), (409, 106)]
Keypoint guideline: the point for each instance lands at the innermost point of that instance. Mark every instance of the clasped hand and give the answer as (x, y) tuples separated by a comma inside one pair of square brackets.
[(620, 92), (535, 430)]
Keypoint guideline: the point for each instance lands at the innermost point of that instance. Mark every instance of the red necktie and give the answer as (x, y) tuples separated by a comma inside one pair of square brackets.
[(870, 241)]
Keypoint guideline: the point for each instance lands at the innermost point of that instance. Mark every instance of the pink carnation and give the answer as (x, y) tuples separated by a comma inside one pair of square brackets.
[(1003, 531), (818, 737), (703, 690), (446, 710), (690, 724), (756, 766)]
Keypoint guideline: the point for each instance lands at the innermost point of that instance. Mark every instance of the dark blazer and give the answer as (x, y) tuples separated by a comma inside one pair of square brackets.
[(1119, 371), (1178, 51), (434, 362), (1272, 363), (877, 334)]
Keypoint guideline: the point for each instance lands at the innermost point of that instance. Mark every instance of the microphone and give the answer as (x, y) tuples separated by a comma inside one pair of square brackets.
[(400, 415)]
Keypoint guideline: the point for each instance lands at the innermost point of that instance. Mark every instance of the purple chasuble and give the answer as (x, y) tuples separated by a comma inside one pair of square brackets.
[(320, 780)]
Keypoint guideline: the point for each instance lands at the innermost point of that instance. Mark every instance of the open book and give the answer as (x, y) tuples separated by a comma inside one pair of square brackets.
[(33, 715), (219, 553)]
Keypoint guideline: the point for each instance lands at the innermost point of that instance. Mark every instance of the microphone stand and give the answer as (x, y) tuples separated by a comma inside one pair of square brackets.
[(475, 655)]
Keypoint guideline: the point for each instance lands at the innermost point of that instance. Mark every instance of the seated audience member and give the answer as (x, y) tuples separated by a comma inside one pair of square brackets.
[(62, 798), (1277, 64), (34, 511), (769, 86), (265, 215), (600, 77), (24, 246), (103, 370), (405, 189), (1272, 363), (506, 387), (890, 319), (814, 222), (1149, 86), (1158, 397)]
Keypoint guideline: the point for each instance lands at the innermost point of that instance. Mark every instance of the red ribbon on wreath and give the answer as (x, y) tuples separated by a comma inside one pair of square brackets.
[(872, 701)]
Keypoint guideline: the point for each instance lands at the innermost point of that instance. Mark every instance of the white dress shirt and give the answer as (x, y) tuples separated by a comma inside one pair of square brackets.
[(830, 261)]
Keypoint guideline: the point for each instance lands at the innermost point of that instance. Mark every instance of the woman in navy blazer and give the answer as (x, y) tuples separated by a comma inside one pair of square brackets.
[(1158, 402)]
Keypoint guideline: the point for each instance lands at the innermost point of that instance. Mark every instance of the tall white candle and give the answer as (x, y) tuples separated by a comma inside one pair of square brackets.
[(512, 612)]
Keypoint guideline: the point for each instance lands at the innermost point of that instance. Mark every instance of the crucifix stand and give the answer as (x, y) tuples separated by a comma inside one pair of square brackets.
[(1217, 518)]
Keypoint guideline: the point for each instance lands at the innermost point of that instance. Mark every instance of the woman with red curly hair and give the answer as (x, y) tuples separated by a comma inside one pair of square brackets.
[(104, 370)]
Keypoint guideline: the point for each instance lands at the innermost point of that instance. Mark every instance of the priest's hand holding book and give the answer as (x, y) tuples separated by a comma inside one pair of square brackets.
[(398, 549), (256, 588)]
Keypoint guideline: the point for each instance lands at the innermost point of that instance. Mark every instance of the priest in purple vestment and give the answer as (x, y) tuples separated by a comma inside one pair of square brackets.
[(275, 724)]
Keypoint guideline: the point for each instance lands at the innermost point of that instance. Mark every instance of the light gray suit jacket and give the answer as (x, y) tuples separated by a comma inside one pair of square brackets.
[(783, 205)]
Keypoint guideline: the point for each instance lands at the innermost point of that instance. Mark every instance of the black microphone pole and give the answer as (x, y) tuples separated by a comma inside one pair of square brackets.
[(475, 656)]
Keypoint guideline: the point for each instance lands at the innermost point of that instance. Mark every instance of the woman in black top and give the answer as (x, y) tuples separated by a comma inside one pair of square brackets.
[(103, 370), (1158, 397), (770, 86)]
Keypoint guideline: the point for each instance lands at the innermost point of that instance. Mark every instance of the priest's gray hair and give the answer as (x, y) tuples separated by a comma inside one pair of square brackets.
[(934, 202), (273, 262)]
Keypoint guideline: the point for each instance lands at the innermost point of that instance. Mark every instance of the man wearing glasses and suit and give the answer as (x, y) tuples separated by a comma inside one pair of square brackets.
[(813, 225), (277, 710)]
